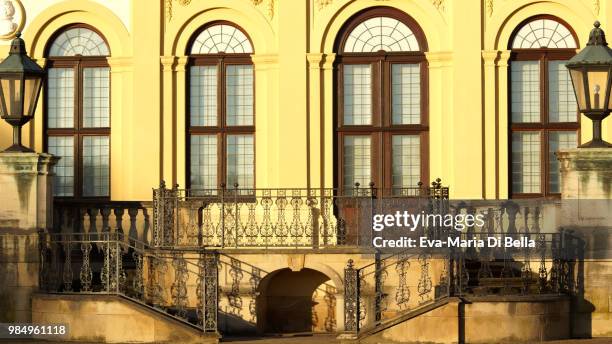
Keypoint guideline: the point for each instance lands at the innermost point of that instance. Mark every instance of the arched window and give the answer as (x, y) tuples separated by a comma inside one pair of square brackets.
[(381, 114), (543, 111), (77, 106), (221, 131)]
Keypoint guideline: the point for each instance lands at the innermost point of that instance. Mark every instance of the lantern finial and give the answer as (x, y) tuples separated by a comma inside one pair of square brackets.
[(597, 35), (18, 45)]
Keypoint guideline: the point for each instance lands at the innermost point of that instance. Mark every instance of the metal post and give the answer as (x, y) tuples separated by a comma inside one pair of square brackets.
[(372, 196), (117, 255), (222, 214), (236, 215)]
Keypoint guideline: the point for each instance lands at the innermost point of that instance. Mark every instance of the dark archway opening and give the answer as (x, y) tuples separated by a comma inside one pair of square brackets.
[(289, 302)]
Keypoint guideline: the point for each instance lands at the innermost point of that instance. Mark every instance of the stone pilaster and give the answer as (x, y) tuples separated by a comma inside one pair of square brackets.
[(26, 208)]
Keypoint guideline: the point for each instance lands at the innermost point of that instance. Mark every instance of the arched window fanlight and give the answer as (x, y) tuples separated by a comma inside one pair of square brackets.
[(221, 38), (79, 41), (381, 33), (543, 33)]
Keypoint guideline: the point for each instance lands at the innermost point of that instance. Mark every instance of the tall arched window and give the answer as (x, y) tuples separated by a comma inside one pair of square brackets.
[(381, 118), (221, 132), (543, 111), (77, 106)]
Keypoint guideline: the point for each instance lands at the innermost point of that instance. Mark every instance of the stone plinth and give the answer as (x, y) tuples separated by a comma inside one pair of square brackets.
[(586, 192), (25, 209), (26, 184), (586, 173)]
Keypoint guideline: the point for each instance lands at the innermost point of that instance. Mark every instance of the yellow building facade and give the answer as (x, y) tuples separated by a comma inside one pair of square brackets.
[(295, 58)]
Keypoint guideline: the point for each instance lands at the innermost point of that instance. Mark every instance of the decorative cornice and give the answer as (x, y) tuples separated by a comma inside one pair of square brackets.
[(490, 7)]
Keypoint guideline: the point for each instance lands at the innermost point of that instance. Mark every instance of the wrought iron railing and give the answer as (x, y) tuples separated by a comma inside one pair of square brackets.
[(386, 288), (112, 263), (270, 218), (201, 288)]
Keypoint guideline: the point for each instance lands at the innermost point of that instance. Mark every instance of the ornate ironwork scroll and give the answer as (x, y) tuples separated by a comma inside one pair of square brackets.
[(157, 269), (425, 285), (138, 281), (86, 273), (179, 286), (402, 294), (542, 271), (379, 281), (351, 298), (234, 299), (211, 287)]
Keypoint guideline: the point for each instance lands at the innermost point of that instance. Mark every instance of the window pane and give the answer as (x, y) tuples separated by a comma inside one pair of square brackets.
[(96, 104), (60, 84), (96, 166), (203, 95), (63, 147), (526, 162), (357, 161), (240, 161), (561, 100), (558, 140), (357, 94), (406, 160), (239, 95), (381, 33), (406, 79), (525, 91), (79, 41), (221, 38), (203, 158)]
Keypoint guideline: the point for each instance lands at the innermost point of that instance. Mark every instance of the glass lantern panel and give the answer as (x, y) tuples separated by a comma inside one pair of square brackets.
[(11, 96), (597, 83), (578, 82), (31, 90)]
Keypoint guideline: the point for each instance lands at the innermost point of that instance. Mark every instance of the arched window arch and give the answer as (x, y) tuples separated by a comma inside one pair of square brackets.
[(381, 113), (543, 112), (221, 103), (77, 111)]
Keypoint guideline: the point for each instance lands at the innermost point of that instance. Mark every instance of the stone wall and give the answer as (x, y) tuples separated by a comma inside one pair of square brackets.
[(514, 319), (111, 319)]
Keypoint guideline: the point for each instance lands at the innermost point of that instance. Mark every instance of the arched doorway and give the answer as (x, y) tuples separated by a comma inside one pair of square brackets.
[(296, 302)]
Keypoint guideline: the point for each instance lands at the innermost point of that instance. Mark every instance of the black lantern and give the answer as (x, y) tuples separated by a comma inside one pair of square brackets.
[(590, 71), (20, 84)]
